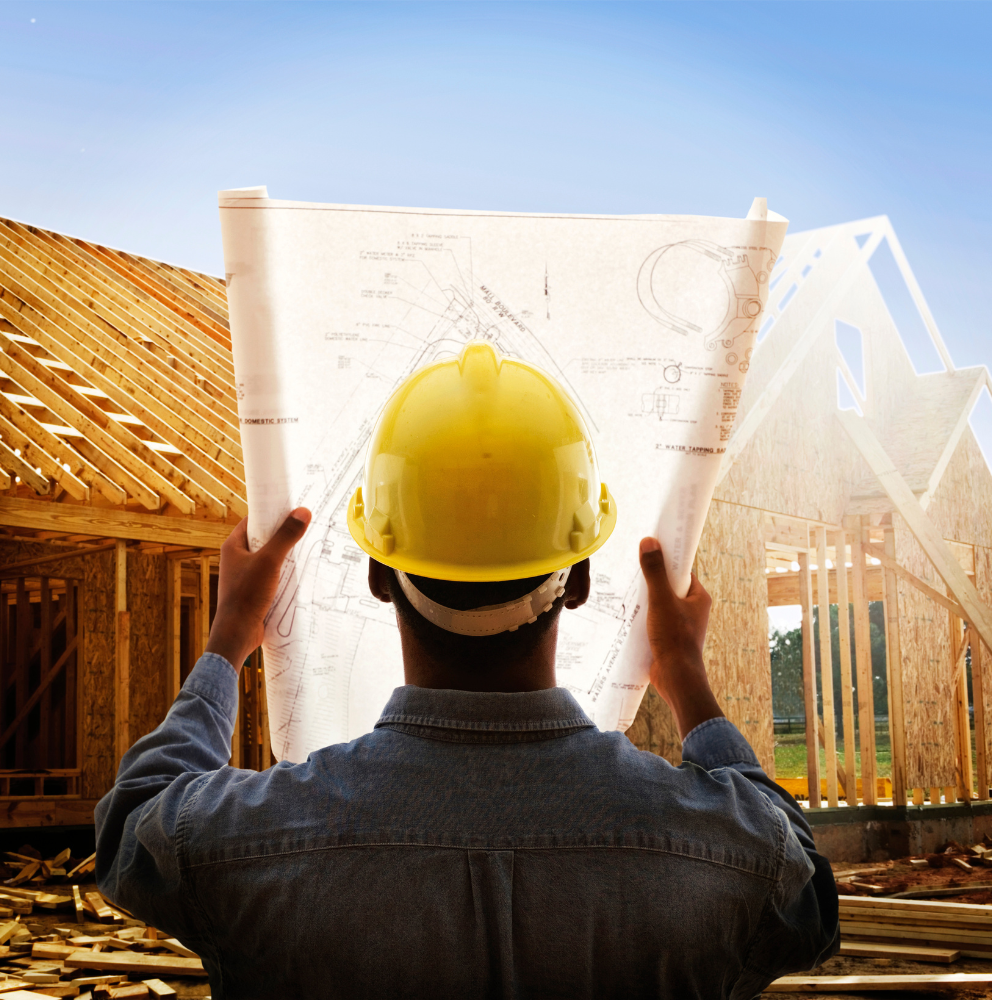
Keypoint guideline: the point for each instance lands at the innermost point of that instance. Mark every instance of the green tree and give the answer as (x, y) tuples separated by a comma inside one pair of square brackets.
[(787, 665)]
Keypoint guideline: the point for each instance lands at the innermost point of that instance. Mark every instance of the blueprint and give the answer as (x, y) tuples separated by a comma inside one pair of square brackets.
[(648, 321)]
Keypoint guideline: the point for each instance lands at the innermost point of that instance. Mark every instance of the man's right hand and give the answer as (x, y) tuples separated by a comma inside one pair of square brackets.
[(676, 631)]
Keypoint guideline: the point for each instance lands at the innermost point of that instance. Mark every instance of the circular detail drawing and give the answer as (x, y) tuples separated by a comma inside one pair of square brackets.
[(731, 358), (743, 366), (700, 288), (673, 373)]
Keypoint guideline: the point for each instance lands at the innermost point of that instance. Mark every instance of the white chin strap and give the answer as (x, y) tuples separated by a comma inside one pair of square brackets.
[(493, 618)]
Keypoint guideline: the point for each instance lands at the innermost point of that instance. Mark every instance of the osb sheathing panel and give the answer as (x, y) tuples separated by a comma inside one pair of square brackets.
[(146, 583), (730, 564), (96, 682), (927, 671), (962, 503), (799, 461), (654, 728), (983, 581), (71, 566)]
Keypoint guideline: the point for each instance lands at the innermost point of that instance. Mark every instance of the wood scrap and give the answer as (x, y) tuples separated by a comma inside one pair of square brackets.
[(174, 944), (77, 900), (41, 949), (25, 873), (8, 930), (100, 907), (867, 984), (159, 989), (167, 965), (909, 952), (131, 990)]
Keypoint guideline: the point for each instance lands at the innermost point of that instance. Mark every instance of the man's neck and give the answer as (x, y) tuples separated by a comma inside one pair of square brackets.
[(534, 671)]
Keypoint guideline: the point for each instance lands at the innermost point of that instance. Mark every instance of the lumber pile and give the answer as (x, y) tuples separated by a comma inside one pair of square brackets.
[(117, 959), (926, 926), (26, 866)]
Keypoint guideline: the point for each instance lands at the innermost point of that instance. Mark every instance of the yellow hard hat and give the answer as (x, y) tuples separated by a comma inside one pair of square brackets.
[(480, 468)]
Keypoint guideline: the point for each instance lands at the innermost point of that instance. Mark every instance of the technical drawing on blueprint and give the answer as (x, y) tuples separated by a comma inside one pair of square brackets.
[(647, 321)]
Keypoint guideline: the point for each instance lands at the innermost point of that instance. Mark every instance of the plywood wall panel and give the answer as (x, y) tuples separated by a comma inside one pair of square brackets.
[(96, 678), (983, 581), (730, 564), (146, 600), (961, 507), (927, 670)]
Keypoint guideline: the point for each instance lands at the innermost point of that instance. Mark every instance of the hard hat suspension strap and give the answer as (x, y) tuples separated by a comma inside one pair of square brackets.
[(493, 618)]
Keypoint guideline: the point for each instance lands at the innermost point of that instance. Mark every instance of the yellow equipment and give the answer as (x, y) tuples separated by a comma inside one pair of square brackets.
[(480, 468)]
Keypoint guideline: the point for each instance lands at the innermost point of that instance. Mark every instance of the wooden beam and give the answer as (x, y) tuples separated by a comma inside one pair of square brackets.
[(122, 670), (103, 429), (923, 529), (70, 330), (862, 656), (109, 523), (266, 751), (137, 396), (893, 657), (978, 700), (56, 557), (45, 658), (846, 675), (46, 680), (60, 452), (63, 400), (826, 666), (18, 467), (119, 308), (21, 665), (962, 724), (889, 562), (203, 606), (34, 453), (73, 705), (173, 619), (809, 683)]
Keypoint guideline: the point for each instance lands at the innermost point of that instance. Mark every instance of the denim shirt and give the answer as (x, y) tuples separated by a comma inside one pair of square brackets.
[(474, 845)]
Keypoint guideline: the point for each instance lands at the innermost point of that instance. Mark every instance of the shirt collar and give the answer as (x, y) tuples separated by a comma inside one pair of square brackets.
[(492, 711)]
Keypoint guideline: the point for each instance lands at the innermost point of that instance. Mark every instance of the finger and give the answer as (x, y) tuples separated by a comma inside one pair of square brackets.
[(653, 568), (287, 535)]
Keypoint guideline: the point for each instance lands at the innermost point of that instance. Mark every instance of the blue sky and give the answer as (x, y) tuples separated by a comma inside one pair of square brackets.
[(120, 121)]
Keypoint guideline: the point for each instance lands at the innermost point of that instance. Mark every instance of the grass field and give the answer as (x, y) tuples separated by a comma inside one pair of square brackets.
[(790, 754)]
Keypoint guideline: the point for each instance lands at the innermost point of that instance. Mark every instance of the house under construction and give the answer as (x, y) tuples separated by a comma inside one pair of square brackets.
[(121, 474)]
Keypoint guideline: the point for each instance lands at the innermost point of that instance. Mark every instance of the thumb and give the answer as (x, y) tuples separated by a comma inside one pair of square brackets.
[(288, 534), (653, 567)]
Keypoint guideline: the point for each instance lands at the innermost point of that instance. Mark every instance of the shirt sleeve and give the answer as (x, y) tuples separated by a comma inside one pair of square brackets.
[(799, 928), (139, 823)]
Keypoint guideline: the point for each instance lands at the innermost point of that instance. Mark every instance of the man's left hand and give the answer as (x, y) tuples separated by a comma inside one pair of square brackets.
[(247, 585)]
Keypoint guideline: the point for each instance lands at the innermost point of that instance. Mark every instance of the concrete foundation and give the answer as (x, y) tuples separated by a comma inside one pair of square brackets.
[(877, 833)]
